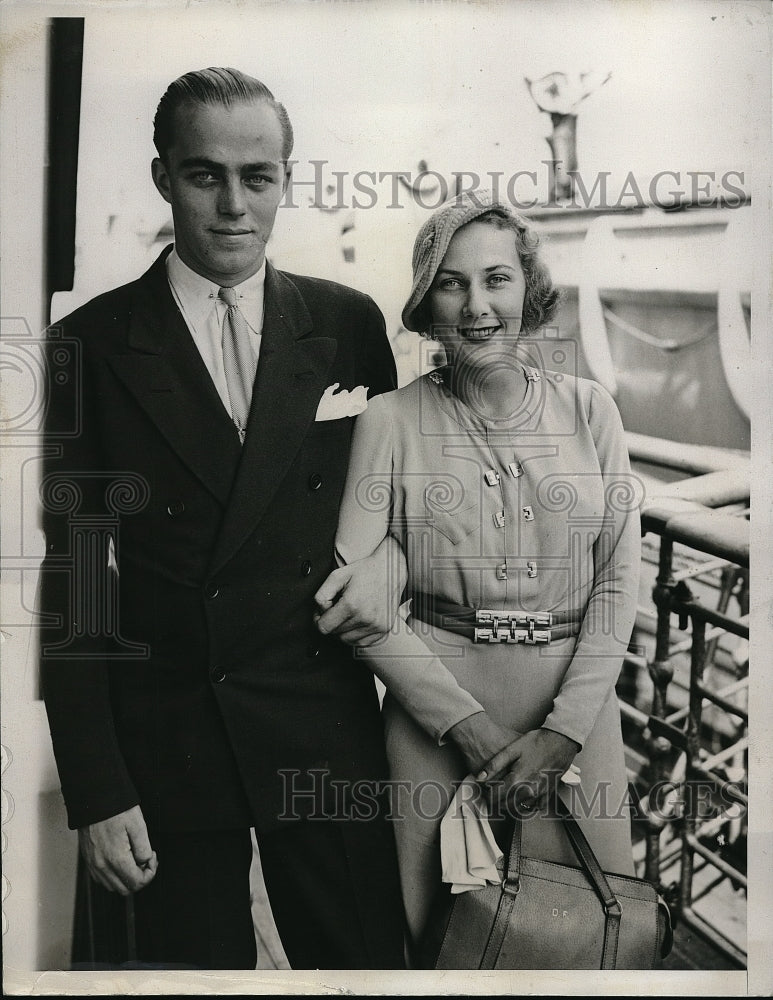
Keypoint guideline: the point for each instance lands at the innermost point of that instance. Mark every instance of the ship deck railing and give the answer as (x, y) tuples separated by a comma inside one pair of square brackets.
[(685, 685)]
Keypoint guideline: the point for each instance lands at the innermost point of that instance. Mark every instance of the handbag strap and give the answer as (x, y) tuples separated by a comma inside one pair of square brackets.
[(595, 872), (511, 884)]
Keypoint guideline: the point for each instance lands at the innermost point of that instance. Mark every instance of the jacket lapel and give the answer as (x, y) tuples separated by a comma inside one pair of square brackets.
[(167, 376), (291, 377)]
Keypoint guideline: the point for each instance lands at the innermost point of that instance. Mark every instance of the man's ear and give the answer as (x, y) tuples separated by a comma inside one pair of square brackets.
[(161, 179)]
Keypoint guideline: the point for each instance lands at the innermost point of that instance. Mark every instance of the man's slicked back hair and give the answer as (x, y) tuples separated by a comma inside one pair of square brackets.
[(216, 85)]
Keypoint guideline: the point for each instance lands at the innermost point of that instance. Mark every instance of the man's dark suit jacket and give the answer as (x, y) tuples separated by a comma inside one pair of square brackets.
[(219, 550)]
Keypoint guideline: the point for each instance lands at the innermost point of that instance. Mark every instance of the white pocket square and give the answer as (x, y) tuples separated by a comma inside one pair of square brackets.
[(335, 405)]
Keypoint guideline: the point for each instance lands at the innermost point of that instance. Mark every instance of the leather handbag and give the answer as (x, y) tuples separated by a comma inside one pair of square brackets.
[(545, 915)]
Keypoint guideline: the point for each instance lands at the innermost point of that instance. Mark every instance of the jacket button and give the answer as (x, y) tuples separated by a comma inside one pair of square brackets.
[(217, 674), (211, 590), (175, 508), (312, 651), (305, 567), (315, 481)]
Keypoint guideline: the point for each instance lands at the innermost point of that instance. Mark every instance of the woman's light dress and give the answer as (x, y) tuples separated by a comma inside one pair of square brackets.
[(536, 513)]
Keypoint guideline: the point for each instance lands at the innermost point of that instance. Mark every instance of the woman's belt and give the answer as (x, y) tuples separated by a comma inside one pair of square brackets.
[(482, 625)]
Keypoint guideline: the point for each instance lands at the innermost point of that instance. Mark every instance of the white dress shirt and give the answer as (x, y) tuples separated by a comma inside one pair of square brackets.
[(204, 312)]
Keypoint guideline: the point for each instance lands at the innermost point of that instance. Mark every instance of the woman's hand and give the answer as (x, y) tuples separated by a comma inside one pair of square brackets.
[(524, 771), (479, 739)]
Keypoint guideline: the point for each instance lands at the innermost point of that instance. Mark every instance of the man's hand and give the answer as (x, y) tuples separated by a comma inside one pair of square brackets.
[(479, 739), (359, 601), (118, 852), (524, 771)]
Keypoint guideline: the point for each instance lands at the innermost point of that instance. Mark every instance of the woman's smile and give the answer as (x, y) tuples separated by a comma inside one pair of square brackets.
[(479, 332)]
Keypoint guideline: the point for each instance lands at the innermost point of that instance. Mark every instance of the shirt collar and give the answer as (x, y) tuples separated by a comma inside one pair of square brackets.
[(198, 294)]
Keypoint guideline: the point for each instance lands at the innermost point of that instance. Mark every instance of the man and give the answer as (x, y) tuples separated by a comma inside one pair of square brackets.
[(190, 695)]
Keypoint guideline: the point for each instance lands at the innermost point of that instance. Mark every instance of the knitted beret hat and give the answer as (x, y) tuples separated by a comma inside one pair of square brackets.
[(432, 242)]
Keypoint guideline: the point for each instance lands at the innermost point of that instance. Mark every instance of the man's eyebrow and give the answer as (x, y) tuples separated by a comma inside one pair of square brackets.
[(201, 162), (264, 165), (196, 161)]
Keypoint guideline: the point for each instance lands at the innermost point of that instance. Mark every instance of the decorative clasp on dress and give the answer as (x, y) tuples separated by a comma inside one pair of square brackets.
[(501, 626)]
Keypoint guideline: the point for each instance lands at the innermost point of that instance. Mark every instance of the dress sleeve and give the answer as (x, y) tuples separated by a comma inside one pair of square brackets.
[(611, 609), (409, 670)]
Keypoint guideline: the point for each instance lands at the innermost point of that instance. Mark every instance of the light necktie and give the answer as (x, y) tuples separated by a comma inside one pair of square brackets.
[(238, 361)]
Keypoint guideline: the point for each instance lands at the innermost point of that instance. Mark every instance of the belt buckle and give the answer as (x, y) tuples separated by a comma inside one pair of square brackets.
[(531, 628)]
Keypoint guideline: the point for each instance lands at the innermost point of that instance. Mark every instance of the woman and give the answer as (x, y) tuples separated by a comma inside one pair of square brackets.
[(509, 488)]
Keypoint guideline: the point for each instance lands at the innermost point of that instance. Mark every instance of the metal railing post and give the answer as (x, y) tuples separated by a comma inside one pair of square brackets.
[(662, 672), (693, 774)]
